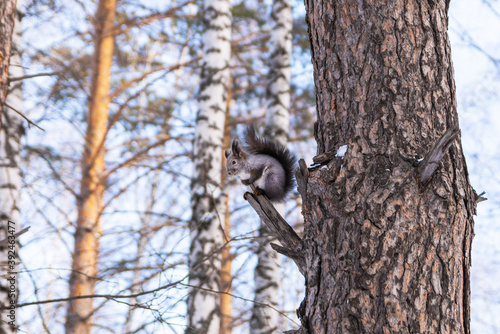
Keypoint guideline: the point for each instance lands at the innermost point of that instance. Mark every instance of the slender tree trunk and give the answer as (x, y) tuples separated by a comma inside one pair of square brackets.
[(267, 272), (207, 197), (90, 204), (7, 18), (385, 253), (278, 89), (11, 131), (226, 277)]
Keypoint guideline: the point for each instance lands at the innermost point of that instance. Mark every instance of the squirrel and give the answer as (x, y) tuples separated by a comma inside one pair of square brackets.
[(263, 163)]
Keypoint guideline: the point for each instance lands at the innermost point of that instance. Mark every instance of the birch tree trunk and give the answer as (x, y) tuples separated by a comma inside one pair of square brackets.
[(11, 131), (267, 272), (385, 253), (90, 204), (7, 18), (207, 199)]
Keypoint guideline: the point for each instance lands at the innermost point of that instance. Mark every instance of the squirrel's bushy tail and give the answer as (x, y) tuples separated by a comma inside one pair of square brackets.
[(287, 159)]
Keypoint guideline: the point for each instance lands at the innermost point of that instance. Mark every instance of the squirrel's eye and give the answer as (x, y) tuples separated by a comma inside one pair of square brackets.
[(234, 162)]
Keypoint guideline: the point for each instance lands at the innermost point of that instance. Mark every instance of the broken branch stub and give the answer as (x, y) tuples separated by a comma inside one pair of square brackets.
[(292, 244), (430, 163)]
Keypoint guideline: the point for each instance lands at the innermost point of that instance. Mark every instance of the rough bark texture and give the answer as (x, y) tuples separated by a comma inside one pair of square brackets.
[(90, 203), (267, 272), (11, 131), (7, 18), (384, 253), (207, 198)]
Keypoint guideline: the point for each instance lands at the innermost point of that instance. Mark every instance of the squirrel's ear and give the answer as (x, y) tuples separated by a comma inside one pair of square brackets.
[(227, 152), (236, 148)]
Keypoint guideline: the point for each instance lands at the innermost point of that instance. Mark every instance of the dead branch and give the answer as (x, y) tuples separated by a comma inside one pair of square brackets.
[(292, 244), (480, 198)]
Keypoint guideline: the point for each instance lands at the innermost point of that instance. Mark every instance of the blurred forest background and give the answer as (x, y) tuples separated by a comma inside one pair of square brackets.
[(154, 82)]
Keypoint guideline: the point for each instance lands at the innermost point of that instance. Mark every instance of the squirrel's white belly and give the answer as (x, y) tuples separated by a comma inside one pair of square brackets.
[(243, 175), (261, 181)]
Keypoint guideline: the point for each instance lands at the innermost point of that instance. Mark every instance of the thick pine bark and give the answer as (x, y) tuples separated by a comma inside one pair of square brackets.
[(267, 272), (11, 131), (384, 253), (207, 198), (90, 203), (7, 18)]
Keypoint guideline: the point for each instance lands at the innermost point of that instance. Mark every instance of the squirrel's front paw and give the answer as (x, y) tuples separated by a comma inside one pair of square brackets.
[(257, 191)]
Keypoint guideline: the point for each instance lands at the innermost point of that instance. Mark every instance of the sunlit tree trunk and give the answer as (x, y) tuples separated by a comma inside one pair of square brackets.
[(11, 130), (385, 252), (90, 203), (226, 277), (267, 272), (207, 199)]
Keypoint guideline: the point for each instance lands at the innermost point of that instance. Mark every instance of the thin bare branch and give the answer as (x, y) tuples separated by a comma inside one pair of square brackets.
[(21, 114), (13, 79), (5, 241), (145, 20)]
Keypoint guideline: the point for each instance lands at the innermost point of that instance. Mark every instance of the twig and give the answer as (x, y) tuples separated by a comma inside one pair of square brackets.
[(6, 240), (106, 296), (13, 79), (481, 198), (18, 112)]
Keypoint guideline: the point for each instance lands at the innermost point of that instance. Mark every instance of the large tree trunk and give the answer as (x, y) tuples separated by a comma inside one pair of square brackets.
[(267, 272), (90, 204), (207, 198), (7, 18), (385, 253), (11, 131)]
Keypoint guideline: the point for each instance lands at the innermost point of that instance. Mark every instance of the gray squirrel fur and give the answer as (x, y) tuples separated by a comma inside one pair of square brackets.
[(266, 164)]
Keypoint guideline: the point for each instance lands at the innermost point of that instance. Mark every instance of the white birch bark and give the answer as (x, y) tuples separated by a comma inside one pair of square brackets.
[(267, 272), (207, 198), (10, 171), (278, 89)]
